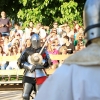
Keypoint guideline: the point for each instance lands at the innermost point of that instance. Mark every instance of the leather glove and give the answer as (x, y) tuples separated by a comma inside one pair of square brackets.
[(39, 67)]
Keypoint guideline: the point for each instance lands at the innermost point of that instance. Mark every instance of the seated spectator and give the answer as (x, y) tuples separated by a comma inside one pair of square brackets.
[(80, 45), (25, 44), (52, 50), (56, 43), (81, 30), (53, 35), (3, 64), (62, 51), (13, 64), (22, 48), (28, 43), (6, 44), (17, 36), (79, 38), (1, 40), (17, 43), (70, 46)]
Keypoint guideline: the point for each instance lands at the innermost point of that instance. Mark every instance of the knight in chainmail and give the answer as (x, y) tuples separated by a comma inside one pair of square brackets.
[(34, 65)]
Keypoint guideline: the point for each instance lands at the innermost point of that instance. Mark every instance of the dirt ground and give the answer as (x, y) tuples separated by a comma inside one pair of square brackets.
[(11, 95)]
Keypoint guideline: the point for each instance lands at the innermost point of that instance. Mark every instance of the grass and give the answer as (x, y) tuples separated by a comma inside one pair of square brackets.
[(12, 78)]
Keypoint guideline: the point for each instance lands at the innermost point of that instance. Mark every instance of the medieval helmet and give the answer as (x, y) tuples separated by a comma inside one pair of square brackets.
[(35, 40), (91, 19)]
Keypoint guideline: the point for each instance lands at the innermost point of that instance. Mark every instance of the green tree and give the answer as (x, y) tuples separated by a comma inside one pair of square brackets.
[(45, 11), (11, 7), (70, 13), (48, 11)]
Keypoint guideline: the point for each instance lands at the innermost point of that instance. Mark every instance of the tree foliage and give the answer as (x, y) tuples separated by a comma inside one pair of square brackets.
[(11, 7), (44, 11), (69, 12)]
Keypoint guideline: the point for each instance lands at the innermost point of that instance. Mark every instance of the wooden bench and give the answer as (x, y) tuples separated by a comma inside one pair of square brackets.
[(14, 73), (19, 73)]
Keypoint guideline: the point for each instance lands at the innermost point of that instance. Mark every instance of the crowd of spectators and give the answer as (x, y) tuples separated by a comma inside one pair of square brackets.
[(62, 39)]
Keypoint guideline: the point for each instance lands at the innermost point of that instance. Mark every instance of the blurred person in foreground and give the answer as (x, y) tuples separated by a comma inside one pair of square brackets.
[(78, 78)]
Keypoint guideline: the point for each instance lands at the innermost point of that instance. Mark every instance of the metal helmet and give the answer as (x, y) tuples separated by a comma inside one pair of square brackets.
[(91, 19), (35, 40)]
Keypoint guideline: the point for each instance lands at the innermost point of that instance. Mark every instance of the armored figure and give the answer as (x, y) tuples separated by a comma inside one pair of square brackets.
[(34, 61), (78, 78)]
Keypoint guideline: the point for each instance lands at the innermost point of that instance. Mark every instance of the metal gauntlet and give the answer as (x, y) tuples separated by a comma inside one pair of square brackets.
[(28, 66)]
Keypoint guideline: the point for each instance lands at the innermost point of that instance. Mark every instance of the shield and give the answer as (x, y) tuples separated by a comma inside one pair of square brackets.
[(35, 59)]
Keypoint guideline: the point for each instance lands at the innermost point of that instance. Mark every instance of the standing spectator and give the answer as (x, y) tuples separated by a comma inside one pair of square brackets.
[(31, 24), (69, 31), (61, 38), (18, 29), (41, 31), (76, 29), (5, 24), (28, 31), (59, 30), (47, 29), (37, 28), (64, 26)]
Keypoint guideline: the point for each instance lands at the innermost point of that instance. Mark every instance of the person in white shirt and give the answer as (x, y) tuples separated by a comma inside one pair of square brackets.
[(39, 30)]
